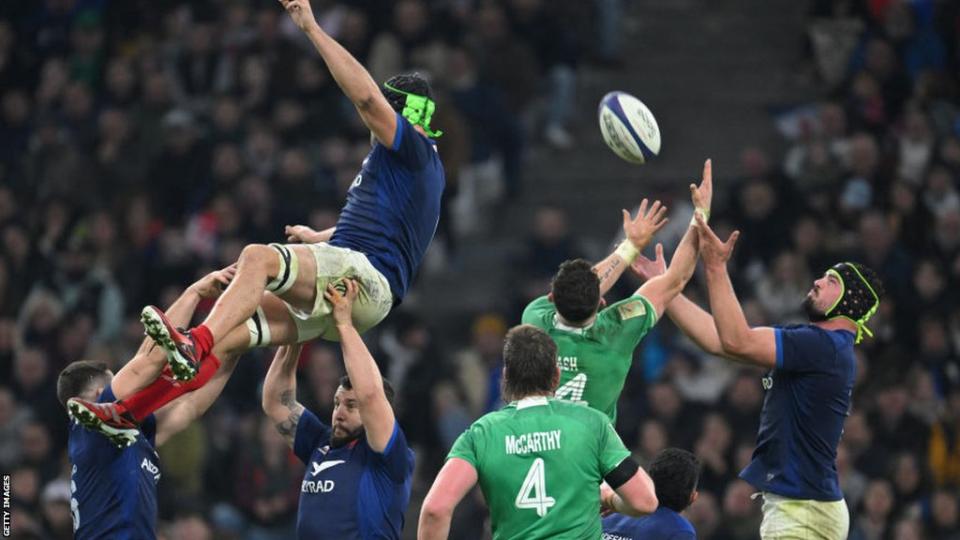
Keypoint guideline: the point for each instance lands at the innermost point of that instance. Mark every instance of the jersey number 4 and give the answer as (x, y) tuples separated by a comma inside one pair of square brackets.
[(533, 493), (573, 389)]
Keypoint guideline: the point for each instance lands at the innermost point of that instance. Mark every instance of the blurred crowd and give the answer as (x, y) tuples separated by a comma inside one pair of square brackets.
[(143, 143), (871, 173)]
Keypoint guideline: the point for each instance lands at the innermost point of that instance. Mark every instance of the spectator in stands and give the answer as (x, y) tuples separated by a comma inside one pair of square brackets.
[(480, 366), (56, 511), (945, 516), (536, 22), (268, 480), (875, 514)]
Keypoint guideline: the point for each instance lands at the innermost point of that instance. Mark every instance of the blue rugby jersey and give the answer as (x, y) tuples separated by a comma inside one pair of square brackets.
[(114, 491), (664, 524), (393, 206), (351, 492), (807, 402)]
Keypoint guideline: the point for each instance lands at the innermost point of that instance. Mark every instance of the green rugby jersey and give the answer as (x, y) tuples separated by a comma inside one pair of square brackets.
[(540, 462), (594, 360)]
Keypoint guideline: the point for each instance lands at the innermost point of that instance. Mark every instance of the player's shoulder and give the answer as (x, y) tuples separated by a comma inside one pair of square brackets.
[(797, 327), (407, 137), (494, 418), (578, 412), (678, 523), (632, 307), (813, 334), (540, 312)]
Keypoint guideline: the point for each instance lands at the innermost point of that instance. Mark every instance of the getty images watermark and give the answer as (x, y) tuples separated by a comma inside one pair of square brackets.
[(6, 505)]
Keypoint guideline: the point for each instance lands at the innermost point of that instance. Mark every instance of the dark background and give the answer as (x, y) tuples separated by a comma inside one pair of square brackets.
[(143, 143)]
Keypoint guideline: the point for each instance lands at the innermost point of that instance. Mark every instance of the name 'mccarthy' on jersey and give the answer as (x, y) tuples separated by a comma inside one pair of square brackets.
[(114, 491), (540, 462), (594, 360), (393, 206)]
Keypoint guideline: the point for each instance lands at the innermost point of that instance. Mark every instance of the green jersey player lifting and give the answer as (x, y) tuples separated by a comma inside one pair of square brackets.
[(595, 342), (539, 460)]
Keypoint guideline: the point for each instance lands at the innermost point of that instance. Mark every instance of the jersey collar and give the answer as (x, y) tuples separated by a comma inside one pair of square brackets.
[(580, 330), (532, 401)]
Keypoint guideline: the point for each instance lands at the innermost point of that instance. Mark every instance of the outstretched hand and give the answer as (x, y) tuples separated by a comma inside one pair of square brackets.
[(300, 11), (341, 296), (702, 195), (212, 284), (300, 233), (715, 252), (640, 230), (647, 269)]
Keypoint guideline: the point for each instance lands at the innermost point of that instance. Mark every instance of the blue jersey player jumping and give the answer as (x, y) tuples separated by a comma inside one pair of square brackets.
[(389, 220), (359, 467), (812, 371), (114, 479)]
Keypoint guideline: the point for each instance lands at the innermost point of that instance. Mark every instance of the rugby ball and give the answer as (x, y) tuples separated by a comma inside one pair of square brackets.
[(628, 127)]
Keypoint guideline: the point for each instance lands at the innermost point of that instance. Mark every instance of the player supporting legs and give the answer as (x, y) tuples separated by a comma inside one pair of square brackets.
[(391, 214), (812, 371), (359, 468), (595, 346), (539, 460), (146, 383), (114, 486)]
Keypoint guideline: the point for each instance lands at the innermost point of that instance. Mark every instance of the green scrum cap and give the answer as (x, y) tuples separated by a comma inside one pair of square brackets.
[(417, 109)]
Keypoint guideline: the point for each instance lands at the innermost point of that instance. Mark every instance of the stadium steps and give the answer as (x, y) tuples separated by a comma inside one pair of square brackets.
[(710, 70)]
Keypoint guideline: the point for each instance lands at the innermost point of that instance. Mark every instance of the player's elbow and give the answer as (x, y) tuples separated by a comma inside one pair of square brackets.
[(271, 406), (649, 503), (370, 392), (365, 101), (643, 503), (715, 349), (733, 345), (435, 510), (678, 276)]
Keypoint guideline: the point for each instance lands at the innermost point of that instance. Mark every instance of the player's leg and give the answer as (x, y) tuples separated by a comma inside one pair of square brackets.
[(272, 324), (794, 519), (286, 270), (119, 421), (290, 320), (332, 266)]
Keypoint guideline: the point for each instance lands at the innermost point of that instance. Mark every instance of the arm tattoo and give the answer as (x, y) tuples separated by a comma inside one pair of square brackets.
[(288, 427), (610, 269)]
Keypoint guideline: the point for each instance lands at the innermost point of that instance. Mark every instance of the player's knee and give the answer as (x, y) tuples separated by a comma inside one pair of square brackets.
[(258, 254)]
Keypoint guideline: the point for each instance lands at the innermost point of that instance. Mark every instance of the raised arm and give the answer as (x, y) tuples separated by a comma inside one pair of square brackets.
[(664, 288), (280, 392), (751, 345), (456, 479), (353, 79), (181, 412), (375, 411), (692, 320), (637, 234), (149, 360)]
